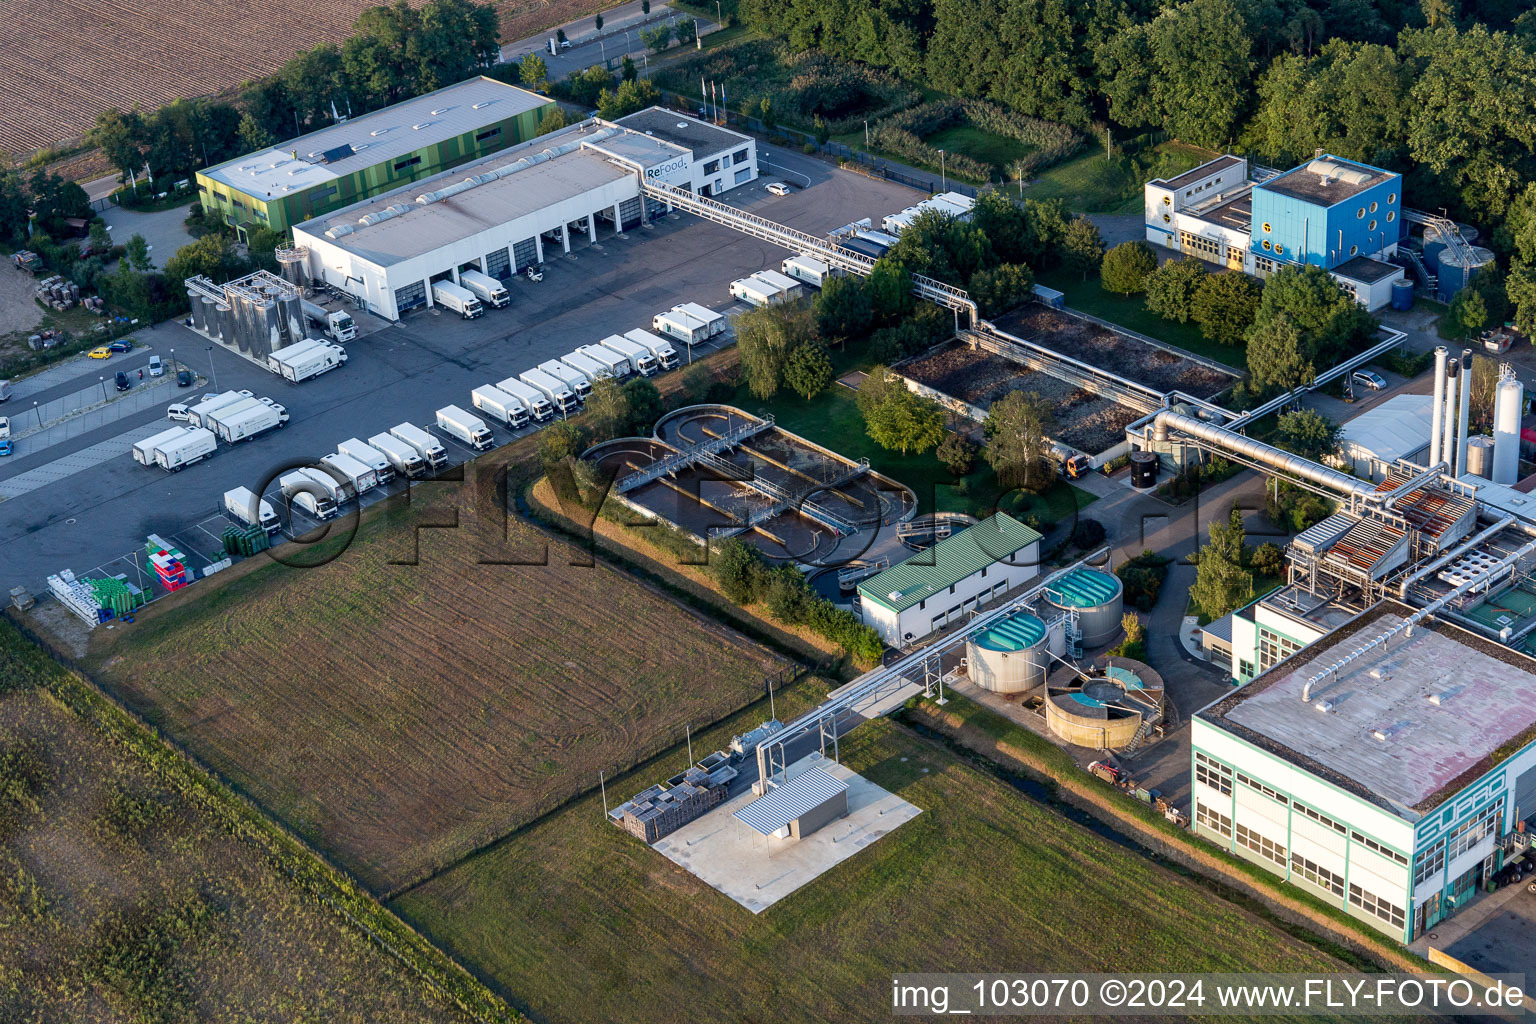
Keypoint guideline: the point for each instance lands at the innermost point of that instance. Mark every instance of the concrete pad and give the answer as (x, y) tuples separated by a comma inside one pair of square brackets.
[(76, 462), (756, 871)]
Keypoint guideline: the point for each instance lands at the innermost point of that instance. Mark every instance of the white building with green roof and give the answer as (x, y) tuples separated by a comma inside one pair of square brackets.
[(956, 576)]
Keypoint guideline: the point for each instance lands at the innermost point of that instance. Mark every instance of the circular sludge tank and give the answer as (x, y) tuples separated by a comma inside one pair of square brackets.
[(1010, 657), (1098, 599), (1458, 267), (1108, 707)]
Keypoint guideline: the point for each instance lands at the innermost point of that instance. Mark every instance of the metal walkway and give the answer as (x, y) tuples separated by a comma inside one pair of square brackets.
[(833, 254), (1120, 389), (681, 460)]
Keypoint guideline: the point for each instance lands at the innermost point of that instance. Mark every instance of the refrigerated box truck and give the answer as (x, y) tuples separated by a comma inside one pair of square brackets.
[(465, 426), (362, 477), (425, 444), (788, 286), (590, 368), (211, 420), (618, 365), (689, 322), (809, 270), (535, 401), (144, 451), (247, 423), (487, 289), (574, 378), (370, 457), (243, 504), (305, 360), (639, 356), (311, 490), (756, 293), (193, 446), (661, 348), (459, 299), (197, 415), (402, 456), (497, 404), (553, 388)]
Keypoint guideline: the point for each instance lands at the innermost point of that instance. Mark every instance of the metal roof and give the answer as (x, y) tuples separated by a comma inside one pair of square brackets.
[(800, 795), (1395, 429), (1221, 629), (1018, 633), (948, 562), (370, 139), (1200, 173)]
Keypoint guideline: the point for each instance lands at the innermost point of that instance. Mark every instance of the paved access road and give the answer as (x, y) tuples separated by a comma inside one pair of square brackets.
[(620, 35), (399, 373)]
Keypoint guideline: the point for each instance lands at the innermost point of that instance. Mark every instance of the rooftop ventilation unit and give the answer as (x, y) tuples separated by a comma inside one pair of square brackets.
[(482, 103), (1325, 706), (421, 125), (441, 110), (378, 131)]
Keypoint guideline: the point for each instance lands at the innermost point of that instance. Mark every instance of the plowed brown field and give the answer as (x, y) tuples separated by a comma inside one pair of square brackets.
[(399, 716)]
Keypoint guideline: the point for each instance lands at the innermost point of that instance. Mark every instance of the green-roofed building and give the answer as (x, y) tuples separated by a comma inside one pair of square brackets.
[(951, 579)]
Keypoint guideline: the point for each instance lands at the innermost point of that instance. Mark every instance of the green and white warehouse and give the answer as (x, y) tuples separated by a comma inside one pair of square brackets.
[(1388, 768), (364, 156)]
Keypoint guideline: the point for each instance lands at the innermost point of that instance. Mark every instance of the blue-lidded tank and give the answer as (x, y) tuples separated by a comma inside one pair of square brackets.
[(1458, 271), (1402, 294)]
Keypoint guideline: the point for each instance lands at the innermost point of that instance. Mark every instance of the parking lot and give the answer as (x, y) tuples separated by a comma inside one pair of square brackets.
[(98, 504)]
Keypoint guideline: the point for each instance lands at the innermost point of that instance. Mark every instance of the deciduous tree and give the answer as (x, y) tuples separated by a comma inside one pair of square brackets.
[(1016, 430), (895, 417), (1224, 306), (1125, 268)]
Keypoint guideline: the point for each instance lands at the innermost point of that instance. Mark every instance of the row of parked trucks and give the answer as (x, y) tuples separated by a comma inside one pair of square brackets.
[(305, 359), (232, 416), (770, 287), (471, 295)]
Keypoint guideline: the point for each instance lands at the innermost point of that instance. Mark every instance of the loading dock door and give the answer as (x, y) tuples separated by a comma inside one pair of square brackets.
[(524, 254), (1525, 795), (498, 264), (654, 208), (411, 296), (629, 213)]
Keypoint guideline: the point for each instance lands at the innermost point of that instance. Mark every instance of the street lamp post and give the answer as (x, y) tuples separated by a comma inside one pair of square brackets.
[(103, 382), (719, 17), (39, 414), (211, 371), (173, 363), (943, 178), (866, 134)]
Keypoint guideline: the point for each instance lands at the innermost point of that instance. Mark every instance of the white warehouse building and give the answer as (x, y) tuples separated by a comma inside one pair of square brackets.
[(1388, 769), (503, 213)]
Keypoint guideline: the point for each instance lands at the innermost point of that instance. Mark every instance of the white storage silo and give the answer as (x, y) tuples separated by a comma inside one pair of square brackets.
[(1509, 404), (1480, 457), (1010, 657)]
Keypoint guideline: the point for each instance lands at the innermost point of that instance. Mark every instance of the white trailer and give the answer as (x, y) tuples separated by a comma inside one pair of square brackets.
[(459, 299), (465, 426), (535, 401), (554, 389), (144, 451), (250, 422), (487, 289), (337, 326), (590, 368), (661, 348), (574, 378), (809, 270), (362, 477), (425, 444), (756, 293), (638, 355), (313, 491), (402, 456), (370, 457), (618, 365), (211, 420), (497, 404), (197, 415), (689, 323), (787, 285), (246, 507), (305, 360), (193, 446)]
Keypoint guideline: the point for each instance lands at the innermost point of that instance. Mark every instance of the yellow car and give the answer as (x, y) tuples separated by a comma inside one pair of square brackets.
[(101, 352)]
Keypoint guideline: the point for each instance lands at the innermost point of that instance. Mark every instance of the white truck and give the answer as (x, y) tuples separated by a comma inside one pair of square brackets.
[(193, 446), (459, 299), (593, 370), (248, 422), (689, 322), (313, 491), (755, 292), (535, 401), (574, 378), (499, 405), (554, 389), (362, 477), (787, 286), (638, 355), (144, 451), (213, 418), (406, 459), (337, 326), (305, 360), (246, 507), (618, 365), (197, 415), (809, 270), (666, 355), (465, 426), (425, 444), (486, 288), (370, 457)]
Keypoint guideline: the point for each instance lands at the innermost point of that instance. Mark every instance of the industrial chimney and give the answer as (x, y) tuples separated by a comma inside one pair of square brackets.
[(1437, 409), (1448, 443), (1463, 413)]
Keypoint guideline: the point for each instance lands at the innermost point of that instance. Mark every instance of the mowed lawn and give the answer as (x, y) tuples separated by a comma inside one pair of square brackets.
[(128, 895), (579, 922), (400, 715), (1094, 183)]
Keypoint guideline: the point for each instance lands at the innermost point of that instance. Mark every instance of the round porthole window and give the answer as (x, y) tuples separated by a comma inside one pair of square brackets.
[(1354, 250), (1373, 224), (1167, 200), (1167, 219), (1391, 216), (1360, 213), (1266, 227), (1391, 198), (1266, 243), (1279, 249), (1373, 207)]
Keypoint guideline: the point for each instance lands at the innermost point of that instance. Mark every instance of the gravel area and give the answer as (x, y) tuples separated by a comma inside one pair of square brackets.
[(1086, 341), (1084, 420)]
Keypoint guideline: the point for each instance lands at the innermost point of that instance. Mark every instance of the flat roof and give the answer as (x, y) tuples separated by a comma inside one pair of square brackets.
[(376, 137), (1235, 213), (948, 562), (790, 801), (1205, 170), (1294, 602), (700, 137), (1326, 180), (1410, 724), (1366, 270)]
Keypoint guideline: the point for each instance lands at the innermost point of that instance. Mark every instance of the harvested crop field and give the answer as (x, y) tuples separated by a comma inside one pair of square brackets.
[(135, 889), (1084, 420), (1109, 350), (401, 715)]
